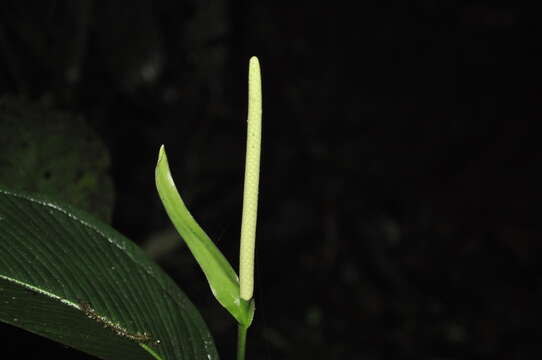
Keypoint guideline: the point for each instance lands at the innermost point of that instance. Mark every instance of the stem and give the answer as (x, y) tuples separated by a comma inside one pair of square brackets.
[(241, 342), (252, 179)]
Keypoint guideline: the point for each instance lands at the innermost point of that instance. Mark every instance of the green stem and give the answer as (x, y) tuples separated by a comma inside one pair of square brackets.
[(241, 342)]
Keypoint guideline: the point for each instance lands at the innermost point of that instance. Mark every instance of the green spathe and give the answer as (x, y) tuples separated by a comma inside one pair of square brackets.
[(222, 279)]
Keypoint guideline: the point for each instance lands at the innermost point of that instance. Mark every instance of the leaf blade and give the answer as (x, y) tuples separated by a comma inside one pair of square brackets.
[(60, 260)]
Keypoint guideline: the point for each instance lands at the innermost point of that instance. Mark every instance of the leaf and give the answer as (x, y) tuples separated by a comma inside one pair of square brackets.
[(222, 279), (66, 276), (55, 153)]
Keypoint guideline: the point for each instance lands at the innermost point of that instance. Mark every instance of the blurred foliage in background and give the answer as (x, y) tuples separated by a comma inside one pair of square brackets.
[(400, 170), (52, 153)]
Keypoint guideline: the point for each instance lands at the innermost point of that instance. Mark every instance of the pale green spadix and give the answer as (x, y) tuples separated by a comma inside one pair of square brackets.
[(234, 294), (252, 180)]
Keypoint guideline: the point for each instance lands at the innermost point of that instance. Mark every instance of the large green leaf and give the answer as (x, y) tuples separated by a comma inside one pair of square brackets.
[(66, 276)]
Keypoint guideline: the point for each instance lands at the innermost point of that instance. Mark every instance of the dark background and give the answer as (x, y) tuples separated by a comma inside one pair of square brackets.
[(399, 194)]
